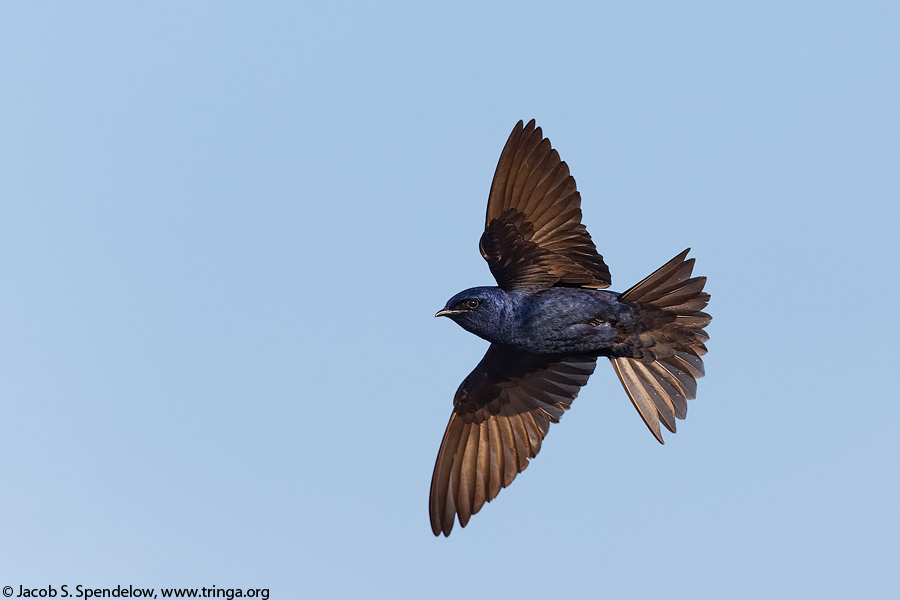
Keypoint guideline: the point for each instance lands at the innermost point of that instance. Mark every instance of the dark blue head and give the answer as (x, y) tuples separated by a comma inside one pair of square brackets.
[(478, 310)]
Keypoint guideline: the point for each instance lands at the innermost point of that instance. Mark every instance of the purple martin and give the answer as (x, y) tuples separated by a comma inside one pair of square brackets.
[(548, 321)]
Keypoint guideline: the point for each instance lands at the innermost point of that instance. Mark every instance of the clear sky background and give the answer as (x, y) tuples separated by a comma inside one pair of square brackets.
[(226, 228)]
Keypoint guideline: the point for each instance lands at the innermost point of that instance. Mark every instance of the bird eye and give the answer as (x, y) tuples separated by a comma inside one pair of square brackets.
[(472, 303)]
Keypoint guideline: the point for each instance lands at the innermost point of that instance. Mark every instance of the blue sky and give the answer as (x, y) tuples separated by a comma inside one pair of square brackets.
[(226, 228)]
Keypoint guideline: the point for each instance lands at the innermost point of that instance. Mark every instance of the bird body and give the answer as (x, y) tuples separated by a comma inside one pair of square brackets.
[(548, 321)]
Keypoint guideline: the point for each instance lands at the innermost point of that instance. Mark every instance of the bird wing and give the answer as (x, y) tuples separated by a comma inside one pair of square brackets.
[(502, 412), (533, 236)]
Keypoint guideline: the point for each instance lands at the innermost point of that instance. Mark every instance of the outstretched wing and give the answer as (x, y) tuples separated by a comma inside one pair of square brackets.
[(502, 412), (533, 236)]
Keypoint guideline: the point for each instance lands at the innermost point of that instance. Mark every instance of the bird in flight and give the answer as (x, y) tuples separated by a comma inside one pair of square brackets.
[(548, 321)]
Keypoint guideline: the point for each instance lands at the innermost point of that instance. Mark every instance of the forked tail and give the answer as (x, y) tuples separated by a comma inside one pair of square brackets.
[(661, 376)]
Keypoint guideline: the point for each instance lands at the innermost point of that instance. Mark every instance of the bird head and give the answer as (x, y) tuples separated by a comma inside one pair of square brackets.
[(477, 310)]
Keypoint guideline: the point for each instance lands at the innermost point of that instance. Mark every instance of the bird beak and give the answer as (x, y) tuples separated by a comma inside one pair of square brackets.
[(446, 312)]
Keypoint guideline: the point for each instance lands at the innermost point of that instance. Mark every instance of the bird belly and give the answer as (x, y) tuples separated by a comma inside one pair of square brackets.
[(561, 321), (576, 338), (567, 332)]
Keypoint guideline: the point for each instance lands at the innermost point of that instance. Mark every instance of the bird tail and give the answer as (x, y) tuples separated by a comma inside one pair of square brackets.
[(661, 374)]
